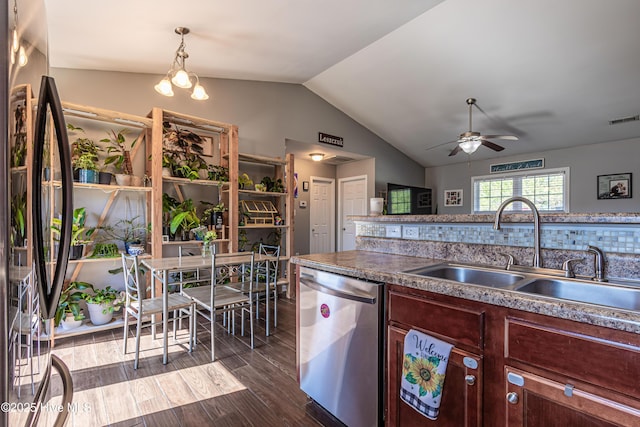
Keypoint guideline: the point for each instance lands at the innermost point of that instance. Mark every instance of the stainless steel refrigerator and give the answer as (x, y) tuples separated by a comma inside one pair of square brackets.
[(34, 152)]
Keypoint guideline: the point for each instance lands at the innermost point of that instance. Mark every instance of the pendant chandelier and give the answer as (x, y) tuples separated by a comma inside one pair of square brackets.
[(179, 76)]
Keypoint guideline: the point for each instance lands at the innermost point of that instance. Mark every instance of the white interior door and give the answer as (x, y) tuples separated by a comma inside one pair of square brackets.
[(322, 213), (352, 200)]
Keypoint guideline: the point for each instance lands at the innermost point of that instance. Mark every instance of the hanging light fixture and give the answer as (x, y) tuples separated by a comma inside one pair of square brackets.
[(179, 76)]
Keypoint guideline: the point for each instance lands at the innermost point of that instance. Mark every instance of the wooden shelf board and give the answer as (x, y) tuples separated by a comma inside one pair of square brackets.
[(195, 122), (104, 187), (254, 158), (86, 328), (263, 226), (191, 242), (104, 259), (262, 193), (116, 117), (186, 181)]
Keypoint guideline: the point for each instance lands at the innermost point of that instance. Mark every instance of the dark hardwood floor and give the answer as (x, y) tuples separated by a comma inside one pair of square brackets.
[(243, 387)]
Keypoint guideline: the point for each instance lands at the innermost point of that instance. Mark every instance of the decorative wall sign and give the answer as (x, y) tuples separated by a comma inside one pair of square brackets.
[(614, 186), (453, 197), (514, 166), (325, 138)]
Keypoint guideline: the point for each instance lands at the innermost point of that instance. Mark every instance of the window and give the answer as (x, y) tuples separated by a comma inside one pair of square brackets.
[(399, 201), (547, 189)]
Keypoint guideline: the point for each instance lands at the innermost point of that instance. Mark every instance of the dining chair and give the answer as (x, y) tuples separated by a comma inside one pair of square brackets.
[(139, 307), (230, 289), (25, 331), (266, 283)]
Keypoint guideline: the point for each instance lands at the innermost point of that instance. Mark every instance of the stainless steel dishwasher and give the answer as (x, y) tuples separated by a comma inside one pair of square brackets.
[(340, 345)]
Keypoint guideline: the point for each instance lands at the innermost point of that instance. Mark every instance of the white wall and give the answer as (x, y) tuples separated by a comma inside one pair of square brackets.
[(585, 162), (266, 113)]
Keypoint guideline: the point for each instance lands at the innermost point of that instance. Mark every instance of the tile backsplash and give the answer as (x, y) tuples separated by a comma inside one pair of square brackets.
[(610, 238)]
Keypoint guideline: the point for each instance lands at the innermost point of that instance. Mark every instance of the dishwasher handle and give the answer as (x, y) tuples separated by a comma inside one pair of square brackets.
[(309, 281)]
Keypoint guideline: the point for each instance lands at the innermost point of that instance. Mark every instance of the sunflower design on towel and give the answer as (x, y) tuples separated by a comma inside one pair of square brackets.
[(423, 373)]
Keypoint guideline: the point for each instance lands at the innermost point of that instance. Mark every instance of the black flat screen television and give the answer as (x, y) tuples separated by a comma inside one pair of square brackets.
[(408, 200)]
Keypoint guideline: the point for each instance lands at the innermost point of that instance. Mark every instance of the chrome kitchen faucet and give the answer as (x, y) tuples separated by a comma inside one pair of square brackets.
[(537, 258)]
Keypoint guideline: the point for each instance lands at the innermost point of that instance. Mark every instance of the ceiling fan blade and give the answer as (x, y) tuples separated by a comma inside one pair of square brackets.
[(499, 122), (439, 145), (455, 151), (508, 137), (491, 145)]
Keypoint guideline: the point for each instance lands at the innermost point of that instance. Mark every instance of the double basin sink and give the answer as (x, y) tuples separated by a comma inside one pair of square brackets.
[(607, 294)]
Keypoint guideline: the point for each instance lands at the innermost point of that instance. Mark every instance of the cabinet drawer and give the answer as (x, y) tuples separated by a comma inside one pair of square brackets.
[(611, 363), (458, 325)]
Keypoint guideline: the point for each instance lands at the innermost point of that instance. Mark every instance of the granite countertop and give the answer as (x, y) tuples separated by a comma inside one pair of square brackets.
[(389, 269), (570, 218)]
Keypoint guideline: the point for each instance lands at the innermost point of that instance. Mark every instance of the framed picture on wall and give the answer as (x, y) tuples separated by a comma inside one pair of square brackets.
[(453, 197), (616, 186)]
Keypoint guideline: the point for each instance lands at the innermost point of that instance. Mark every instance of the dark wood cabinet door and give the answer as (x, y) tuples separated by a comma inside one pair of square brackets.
[(461, 397), (541, 402)]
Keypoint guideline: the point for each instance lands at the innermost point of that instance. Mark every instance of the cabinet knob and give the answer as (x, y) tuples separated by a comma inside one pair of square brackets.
[(470, 379), (512, 397)]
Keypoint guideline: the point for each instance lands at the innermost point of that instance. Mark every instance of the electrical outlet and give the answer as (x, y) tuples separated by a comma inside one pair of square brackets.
[(394, 231), (410, 232)]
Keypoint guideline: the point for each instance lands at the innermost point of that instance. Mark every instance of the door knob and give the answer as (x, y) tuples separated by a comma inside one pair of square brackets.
[(512, 397), (470, 379)]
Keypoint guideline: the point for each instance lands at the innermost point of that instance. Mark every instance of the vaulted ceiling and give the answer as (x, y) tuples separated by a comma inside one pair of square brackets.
[(554, 73)]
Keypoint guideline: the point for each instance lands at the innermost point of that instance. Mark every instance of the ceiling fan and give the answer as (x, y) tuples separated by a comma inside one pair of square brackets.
[(469, 141)]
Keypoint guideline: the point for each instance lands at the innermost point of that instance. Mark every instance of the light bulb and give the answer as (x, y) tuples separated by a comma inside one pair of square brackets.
[(164, 87), (181, 79), (22, 57), (199, 93), (470, 146)]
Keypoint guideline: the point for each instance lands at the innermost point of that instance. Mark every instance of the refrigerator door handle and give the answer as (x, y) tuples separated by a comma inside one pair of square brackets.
[(67, 392), (50, 293)]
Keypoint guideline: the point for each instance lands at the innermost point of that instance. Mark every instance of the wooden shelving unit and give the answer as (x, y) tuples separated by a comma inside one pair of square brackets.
[(227, 135), (283, 202)]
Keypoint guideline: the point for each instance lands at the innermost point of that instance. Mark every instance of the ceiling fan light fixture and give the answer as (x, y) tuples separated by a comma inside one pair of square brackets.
[(470, 146), (316, 157)]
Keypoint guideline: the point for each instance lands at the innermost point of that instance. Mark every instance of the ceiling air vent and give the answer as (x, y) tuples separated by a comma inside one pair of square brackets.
[(624, 120)]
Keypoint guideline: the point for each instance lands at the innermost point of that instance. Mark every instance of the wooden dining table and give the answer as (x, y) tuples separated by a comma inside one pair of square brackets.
[(161, 268)]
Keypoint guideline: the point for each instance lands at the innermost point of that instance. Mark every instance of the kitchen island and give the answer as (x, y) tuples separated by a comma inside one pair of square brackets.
[(519, 358)]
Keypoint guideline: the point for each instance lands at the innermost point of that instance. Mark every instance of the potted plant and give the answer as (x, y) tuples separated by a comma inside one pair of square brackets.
[(218, 173), (183, 218), (79, 234), (102, 303), (207, 245), (119, 155), (185, 148), (274, 186), (131, 232), (84, 157), (68, 312), (244, 182), (214, 214)]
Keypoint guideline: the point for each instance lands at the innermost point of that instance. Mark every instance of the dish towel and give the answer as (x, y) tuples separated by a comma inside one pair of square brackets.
[(423, 370)]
